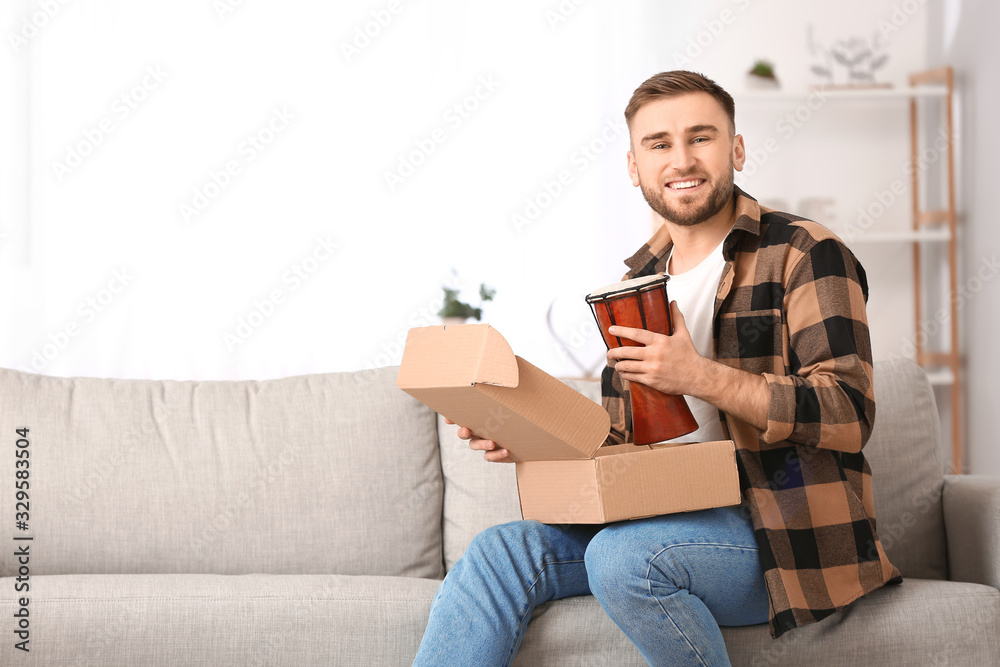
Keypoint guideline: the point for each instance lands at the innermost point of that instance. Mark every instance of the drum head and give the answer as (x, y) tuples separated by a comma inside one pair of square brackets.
[(634, 285)]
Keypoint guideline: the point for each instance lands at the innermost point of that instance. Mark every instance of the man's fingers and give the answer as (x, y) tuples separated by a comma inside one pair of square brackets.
[(498, 456), (631, 352), (482, 445), (624, 367), (638, 335), (489, 448), (448, 421), (491, 452)]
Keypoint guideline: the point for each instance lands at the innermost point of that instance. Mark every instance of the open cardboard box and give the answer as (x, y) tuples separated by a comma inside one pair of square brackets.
[(469, 374)]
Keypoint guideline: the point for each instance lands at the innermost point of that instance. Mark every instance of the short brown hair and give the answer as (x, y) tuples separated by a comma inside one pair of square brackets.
[(678, 82)]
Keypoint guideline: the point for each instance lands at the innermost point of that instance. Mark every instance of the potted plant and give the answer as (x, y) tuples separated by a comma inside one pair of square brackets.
[(761, 75), (455, 311)]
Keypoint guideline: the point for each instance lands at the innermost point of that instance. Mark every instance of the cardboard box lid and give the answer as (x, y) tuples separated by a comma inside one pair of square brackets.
[(469, 374)]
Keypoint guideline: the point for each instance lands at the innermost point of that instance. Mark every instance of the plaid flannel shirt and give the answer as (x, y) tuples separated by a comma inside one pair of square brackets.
[(791, 306)]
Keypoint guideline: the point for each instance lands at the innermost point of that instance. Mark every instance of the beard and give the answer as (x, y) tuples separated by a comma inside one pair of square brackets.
[(718, 197)]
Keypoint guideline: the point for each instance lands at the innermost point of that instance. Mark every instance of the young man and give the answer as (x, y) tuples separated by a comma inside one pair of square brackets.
[(771, 348)]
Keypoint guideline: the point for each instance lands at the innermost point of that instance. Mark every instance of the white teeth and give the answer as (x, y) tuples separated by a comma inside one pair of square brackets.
[(678, 185)]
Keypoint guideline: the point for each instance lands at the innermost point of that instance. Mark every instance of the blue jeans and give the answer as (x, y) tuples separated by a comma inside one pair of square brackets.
[(668, 582)]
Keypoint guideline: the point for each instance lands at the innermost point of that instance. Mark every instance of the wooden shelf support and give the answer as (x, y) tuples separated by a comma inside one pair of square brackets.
[(950, 358)]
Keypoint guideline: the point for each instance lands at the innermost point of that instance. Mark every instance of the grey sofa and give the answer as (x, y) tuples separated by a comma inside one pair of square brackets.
[(308, 521)]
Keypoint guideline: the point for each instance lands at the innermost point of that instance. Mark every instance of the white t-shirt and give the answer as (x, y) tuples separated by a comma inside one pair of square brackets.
[(694, 291)]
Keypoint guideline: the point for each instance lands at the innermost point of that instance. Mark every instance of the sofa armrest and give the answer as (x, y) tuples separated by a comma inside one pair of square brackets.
[(972, 526)]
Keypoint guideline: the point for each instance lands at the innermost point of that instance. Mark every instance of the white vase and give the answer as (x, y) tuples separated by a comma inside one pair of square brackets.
[(449, 321), (755, 82)]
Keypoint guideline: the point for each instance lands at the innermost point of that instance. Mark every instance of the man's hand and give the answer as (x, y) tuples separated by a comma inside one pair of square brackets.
[(670, 364), (488, 447)]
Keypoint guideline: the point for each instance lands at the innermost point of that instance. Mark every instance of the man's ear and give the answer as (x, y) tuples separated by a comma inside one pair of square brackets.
[(633, 169), (739, 153)]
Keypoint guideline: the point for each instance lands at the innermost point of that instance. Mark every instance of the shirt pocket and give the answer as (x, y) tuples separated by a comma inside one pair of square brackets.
[(753, 338)]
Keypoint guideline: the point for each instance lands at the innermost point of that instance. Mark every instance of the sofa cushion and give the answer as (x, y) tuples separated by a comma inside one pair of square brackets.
[(919, 622), (479, 494), (329, 473), (904, 454), (223, 621), (207, 620)]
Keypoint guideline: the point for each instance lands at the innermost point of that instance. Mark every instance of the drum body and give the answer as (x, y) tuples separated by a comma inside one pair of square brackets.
[(642, 303)]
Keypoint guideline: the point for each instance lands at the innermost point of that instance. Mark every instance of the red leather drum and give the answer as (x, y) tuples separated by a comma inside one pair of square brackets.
[(641, 303)]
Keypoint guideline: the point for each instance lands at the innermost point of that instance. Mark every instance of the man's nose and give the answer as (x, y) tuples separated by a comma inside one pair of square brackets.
[(683, 158)]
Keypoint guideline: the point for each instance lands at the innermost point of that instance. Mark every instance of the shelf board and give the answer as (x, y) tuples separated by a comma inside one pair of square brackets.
[(943, 376), (903, 235), (901, 93)]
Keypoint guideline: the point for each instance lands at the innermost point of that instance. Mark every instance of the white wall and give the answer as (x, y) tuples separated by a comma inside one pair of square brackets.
[(354, 117), (963, 34)]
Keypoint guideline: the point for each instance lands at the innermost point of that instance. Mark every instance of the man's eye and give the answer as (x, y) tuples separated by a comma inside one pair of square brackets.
[(659, 145), (697, 139)]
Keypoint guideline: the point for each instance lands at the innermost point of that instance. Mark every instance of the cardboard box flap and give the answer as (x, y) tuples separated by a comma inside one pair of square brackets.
[(549, 420), (469, 374), (456, 356)]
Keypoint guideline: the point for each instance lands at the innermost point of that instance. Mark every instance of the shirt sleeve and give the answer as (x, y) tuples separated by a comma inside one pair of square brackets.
[(828, 399)]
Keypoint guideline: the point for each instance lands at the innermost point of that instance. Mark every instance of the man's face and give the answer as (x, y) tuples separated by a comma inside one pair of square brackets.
[(682, 157)]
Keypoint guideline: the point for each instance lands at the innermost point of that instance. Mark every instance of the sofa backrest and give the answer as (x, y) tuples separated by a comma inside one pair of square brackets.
[(328, 473), (903, 452)]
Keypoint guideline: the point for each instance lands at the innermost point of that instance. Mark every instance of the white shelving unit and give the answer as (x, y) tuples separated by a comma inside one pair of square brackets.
[(939, 234), (906, 92), (937, 226)]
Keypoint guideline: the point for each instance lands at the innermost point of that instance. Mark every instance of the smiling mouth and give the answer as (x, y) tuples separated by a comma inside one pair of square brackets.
[(685, 185)]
